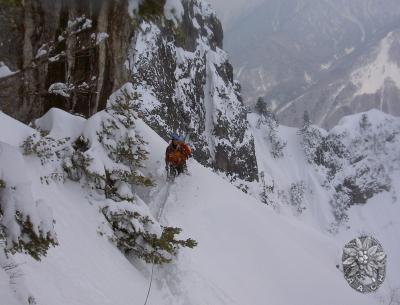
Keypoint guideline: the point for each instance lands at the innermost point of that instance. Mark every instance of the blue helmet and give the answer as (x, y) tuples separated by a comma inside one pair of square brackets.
[(176, 137)]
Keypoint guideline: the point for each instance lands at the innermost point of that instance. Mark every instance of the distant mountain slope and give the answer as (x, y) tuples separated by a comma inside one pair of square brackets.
[(284, 49), (371, 81)]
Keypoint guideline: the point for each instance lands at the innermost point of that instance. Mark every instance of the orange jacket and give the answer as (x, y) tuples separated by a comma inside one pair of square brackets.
[(176, 155)]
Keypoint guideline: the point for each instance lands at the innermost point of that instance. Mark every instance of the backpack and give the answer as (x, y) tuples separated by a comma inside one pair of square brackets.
[(178, 156)]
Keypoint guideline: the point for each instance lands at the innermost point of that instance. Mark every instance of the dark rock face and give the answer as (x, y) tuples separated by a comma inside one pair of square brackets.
[(191, 32), (188, 83), (56, 41)]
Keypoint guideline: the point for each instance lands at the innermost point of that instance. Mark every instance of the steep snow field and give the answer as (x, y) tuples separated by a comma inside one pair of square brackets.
[(370, 78), (85, 268), (292, 168), (378, 217), (246, 254)]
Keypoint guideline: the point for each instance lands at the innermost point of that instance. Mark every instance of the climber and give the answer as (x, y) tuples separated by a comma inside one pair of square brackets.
[(176, 155)]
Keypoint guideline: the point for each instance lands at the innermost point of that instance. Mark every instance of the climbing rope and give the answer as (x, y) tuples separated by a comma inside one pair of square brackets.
[(160, 212), (151, 281)]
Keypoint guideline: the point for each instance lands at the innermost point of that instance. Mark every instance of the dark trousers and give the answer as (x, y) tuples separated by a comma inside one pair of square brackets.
[(174, 171)]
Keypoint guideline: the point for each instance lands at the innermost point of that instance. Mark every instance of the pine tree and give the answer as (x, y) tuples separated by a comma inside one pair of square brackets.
[(297, 191), (364, 122), (262, 107), (26, 224), (277, 144), (340, 204), (266, 190), (269, 120), (306, 121), (311, 138), (122, 144)]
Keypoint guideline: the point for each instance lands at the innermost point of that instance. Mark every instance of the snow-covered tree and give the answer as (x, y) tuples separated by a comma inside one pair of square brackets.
[(116, 172), (46, 148), (332, 154), (268, 119), (141, 236), (277, 144), (26, 224), (364, 122), (266, 190), (108, 158), (340, 203), (297, 191), (262, 107), (306, 121), (311, 139)]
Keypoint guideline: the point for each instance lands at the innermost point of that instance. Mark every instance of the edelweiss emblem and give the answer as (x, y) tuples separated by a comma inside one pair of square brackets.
[(364, 264)]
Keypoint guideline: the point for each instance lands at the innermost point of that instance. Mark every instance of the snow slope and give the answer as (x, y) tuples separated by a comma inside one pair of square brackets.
[(247, 254), (282, 172), (85, 268), (377, 217), (370, 78)]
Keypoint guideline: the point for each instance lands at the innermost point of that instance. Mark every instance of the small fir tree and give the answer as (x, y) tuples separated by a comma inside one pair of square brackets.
[(262, 107), (311, 138), (297, 191), (306, 121), (26, 224), (364, 122), (269, 120), (266, 190)]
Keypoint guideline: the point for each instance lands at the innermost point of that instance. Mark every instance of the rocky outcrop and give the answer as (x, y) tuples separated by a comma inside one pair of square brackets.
[(186, 86)]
